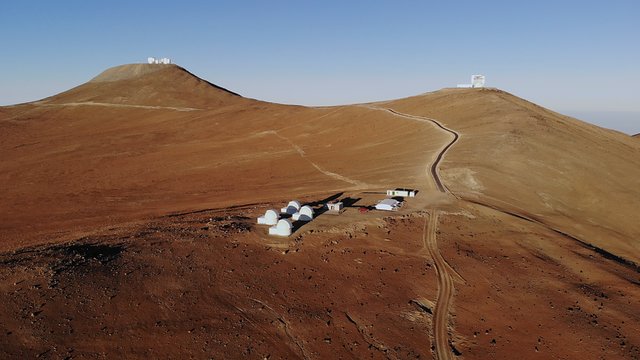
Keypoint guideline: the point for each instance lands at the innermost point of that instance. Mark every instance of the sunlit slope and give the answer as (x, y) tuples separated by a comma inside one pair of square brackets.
[(150, 85), (75, 161), (578, 178), (151, 139)]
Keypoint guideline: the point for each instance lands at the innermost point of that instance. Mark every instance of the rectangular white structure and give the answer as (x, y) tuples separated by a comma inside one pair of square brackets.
[(477, 81), (335, 206), (152, 60), (388, 205), (401, 192), (464, 86)]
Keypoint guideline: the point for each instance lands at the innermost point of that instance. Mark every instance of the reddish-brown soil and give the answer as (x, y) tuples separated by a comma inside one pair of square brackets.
[(128, 227)]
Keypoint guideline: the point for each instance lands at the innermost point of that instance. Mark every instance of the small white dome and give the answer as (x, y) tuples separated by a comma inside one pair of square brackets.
[(305, 214), (270, 217), (283, 228), (291, 208), (284, 224), (295, 204)]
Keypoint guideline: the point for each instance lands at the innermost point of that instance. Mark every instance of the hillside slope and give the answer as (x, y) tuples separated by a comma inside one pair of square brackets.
[(513, 155), (135, 142), (150, 85)]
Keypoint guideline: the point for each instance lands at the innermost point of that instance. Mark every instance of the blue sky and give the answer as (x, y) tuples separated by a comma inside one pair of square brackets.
[(576, 57)]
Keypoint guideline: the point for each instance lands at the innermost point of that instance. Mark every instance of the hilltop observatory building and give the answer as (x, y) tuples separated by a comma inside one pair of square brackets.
[(477, 81), (152, 60)]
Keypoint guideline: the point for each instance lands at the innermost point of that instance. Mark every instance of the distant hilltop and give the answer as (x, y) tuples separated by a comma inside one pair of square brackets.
[(167, 85)]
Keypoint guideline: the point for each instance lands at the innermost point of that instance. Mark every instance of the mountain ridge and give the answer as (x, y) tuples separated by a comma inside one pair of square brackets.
[(149, 85)]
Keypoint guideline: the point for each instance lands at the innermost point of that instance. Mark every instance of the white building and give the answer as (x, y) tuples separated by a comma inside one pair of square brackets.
[(292, 208), (305, 214), (335, 206), (388, 205), (270, 217), (477, 81), (402, 192), (282, 228), (152, 60)]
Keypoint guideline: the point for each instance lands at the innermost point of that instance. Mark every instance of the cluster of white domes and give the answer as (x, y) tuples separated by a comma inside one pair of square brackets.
[(284, 227)]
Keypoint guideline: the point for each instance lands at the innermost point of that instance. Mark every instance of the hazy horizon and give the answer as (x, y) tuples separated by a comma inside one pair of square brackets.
[(627, 122)]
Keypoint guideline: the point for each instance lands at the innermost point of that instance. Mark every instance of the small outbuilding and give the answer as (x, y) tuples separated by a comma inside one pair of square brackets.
[(305, 214), (270, 217), (402, 192), (282, 228), (335, 207), (292, 208), (388, 205), (477, 81)]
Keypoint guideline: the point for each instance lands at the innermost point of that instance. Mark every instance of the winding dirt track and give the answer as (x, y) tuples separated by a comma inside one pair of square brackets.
[(430, 242), (445, 288), (434, 166), (357, 184)]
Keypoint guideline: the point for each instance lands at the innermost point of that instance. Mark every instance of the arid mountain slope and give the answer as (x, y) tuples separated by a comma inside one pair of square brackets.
[(148, 85), (578, 178), (145, 144)]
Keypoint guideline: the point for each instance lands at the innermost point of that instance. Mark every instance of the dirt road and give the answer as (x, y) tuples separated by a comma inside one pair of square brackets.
[(434, 166), (445, 288), (443, 270)]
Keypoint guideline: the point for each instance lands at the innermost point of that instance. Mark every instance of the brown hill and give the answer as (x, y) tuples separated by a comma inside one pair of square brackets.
[(146, 144), (540, 164), (128, 227), (148, 85)]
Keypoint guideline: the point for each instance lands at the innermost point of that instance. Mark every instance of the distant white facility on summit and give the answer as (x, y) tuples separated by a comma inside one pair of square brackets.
[(152, 60), (477, 81)]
